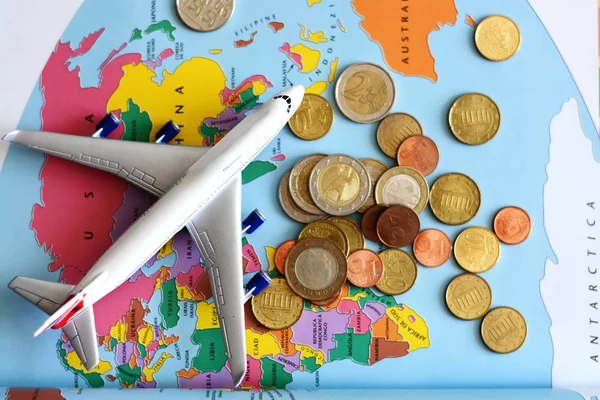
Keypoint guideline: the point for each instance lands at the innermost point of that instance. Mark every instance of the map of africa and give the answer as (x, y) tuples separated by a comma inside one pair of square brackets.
[(159, 329)]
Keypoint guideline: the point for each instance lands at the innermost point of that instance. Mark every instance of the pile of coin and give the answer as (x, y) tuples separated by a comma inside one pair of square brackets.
[(321, 190)]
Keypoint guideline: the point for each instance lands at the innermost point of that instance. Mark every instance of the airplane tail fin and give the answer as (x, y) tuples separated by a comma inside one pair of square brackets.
[(50, 297), (55, 299), (47, 296)]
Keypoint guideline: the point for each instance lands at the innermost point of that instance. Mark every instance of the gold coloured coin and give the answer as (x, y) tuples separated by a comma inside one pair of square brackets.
[(313, 119), (394, 129), (325, 230), (477, 249), (339, 184), (468, 296), (454, 199), (399, 272), (356, 239), (365, 92), (289, 205), (402, 186), (497, 38), (474, 118), (299, 183), (375, 169), (504, 330), (277, 307), (205, 15)]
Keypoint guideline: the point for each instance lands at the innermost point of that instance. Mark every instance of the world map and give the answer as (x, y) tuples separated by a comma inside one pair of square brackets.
[(136, 322), (159, 329)]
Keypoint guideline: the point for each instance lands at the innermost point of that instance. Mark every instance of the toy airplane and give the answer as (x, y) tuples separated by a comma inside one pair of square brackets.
[(199, 188)]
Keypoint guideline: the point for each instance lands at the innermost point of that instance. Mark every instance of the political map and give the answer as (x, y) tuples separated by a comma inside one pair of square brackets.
[(159, 329)]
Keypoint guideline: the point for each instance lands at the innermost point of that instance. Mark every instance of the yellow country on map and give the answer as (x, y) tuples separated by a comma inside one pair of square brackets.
[(411, 326), (307, 352), (259, 345), (207, 316)]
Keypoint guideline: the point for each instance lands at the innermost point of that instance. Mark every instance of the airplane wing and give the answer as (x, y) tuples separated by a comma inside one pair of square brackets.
[(49, 296), (153, 167), (217, 232)]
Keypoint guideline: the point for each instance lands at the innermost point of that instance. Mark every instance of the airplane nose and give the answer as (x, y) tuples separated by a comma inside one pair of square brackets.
[(292, 98), (296, 94)]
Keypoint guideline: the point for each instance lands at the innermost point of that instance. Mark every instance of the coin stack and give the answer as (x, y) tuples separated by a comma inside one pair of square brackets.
[(321, 190)]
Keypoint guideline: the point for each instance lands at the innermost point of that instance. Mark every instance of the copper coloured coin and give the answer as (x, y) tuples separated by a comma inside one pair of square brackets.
[(432, 247), (327, 302), (365, 268), (369, 222), (398, 226), (419, 152), (281, 255), (512, 225)]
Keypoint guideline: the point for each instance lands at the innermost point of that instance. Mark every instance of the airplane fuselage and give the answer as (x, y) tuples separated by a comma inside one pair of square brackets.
[(196, 188)]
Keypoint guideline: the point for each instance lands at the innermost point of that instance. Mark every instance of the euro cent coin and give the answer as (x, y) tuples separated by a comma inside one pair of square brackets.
[(369, 222), (205, 15), (398, 226), (350, 229), (325, 230), (504, 330), (420, 153), (477, 249), (468, 297), (497, 38), (402, 186), (281, 255), (432, 248), (375, 169), (399, 272), (316, 269), (299, 183), (394, 130), (454, 199), (277, 307), (474, 118), (313, 119), (339, 184), (512, 225), (290, 207), (365, 92), (365, 268)]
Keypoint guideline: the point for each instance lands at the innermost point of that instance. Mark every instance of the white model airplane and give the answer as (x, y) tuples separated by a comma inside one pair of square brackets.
[(199, 188)]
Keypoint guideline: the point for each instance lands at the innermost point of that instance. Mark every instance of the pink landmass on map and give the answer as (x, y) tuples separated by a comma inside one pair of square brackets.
[(112, 54), (253, 261), (296, 58), (112, 307), (359, 321), (153, 64), (253, 373), (227, 93), (190, 279), (278, 157), (75, 218)]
